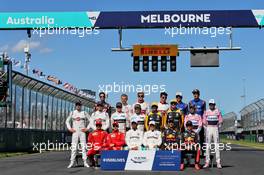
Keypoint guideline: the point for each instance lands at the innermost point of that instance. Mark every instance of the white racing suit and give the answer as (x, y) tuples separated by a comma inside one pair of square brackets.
[(212, 120), (144, 107), (127, 109), (99, 115), (79, 121), (163, 108), (134, 138), (121, 119), (152, 139), (140, 121)]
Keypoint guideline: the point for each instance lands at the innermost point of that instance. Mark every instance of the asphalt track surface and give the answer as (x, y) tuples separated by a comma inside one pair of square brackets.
[(240, 161)]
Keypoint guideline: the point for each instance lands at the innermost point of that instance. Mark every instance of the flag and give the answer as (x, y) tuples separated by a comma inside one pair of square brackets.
[(70, 88), (39, 73), (16, 63), (75, 90), (54, 79), (66, 85)]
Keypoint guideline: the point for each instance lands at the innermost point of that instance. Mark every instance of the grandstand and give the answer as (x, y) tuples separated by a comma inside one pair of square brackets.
[(37, 113)]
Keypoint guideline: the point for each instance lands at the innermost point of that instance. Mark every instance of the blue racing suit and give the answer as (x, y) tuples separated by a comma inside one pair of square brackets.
[(200, 106), (183, 107)]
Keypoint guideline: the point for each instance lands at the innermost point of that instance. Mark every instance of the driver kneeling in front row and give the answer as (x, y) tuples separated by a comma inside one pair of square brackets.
[(190, 145), (116, 139), (134, 136), (171, 137), (96, 141), (152, 138)]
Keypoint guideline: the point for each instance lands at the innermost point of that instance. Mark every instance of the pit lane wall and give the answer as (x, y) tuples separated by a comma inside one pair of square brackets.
[(143, 160)]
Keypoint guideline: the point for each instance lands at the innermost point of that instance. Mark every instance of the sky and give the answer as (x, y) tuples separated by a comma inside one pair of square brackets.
[(89, 63)]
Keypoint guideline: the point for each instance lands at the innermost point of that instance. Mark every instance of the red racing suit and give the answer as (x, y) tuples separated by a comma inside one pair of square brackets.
[(96, 142), (115, 140)]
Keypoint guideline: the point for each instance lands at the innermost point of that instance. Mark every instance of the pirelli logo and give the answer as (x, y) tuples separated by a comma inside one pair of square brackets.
[(155, 50)]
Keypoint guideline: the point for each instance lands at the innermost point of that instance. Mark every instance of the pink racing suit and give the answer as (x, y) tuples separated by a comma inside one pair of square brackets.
[(212, 120), (196, 121)]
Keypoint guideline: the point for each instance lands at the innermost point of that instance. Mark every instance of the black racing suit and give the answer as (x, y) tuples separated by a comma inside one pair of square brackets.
[(177, 117), (157, 117), (171, 139), (191, 145)]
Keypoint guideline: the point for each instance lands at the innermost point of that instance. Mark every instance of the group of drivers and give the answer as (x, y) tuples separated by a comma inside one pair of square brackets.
[(136, 127)]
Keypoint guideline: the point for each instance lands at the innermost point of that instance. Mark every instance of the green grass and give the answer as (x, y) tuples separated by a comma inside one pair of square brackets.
[(11, 154), (244, 143)]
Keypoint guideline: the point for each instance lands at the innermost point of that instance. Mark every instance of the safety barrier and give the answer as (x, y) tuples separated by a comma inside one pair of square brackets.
[(23, 139)]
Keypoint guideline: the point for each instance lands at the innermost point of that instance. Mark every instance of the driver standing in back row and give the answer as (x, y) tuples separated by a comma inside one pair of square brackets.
[(140, 118), (155, 116), (120, 117), (212, 120), (200, 106), (78, 129), (180, 105), (126, 108), (144, 105), (106, 106), (163, 106), (99, 114), (175, 115)]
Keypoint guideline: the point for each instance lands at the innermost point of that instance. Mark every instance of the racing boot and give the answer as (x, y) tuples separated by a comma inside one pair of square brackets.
[(197, 167), (92, 162), (85, 164), (71, 164), (182, 167), (206, 165), (219, 166)]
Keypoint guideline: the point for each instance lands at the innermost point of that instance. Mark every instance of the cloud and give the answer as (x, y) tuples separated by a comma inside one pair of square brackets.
[(4, 48), (45, 50), (20, 45), (34, 45)]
